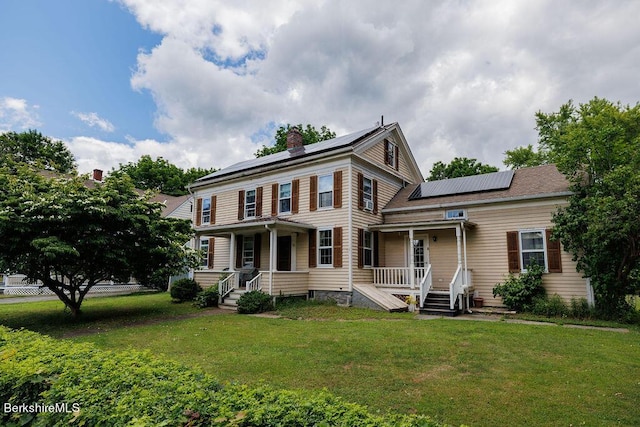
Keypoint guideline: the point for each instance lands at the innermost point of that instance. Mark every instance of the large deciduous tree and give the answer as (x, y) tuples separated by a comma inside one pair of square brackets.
[(524, 157), (459, 167), (160, 175), (34, 149), (597, 146), (310, 135), (71, 236)]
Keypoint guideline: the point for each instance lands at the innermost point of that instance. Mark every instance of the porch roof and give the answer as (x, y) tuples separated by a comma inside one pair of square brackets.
[(255, 225), (423, 225)]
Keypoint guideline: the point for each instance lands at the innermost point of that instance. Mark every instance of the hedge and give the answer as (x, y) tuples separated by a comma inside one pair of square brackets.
[(134, 388)]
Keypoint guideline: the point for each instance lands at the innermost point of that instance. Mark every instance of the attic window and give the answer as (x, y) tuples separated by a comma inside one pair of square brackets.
[(390, 154), (455, 214)]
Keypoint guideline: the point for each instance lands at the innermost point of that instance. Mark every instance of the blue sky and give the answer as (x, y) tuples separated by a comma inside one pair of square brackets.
[(73, 57), (207, 82)]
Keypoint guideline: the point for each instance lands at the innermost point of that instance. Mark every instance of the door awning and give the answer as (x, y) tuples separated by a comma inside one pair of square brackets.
[(254, 226), (423, 225)]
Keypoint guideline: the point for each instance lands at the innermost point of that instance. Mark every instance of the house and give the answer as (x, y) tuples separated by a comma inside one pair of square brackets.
[(352, 219)]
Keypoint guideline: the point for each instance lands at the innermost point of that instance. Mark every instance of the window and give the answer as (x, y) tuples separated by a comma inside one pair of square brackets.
[(391, 154), (247, 251), (325, 247), (204, 249), (325, 191), (250, 204), (455, 214), (532, 248), (206, 210), (367, 194), (284, 200), (367, 248)]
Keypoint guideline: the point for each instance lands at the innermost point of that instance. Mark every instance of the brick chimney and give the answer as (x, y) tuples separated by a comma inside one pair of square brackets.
[(294, 141), (97, 175)]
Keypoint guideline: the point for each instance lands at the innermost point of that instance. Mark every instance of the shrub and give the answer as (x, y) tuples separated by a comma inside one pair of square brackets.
[(580, 309), (185, 290), (207, 298), (254, 302), (136, 388), (519, 292), (550, 307)]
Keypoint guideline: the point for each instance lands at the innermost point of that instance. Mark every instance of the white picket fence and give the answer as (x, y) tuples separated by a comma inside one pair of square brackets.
[(16, 285)]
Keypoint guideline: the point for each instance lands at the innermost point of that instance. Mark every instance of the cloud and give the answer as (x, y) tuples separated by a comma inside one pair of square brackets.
[(16, 113), (461, 78), (93, 120)]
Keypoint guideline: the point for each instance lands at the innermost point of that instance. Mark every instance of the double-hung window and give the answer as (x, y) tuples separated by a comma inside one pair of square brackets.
[(204, 250), (532, 248), (391, 151), (250, 204), (325, 248), (325, 191), (367, 194), (284, 198), (206, 210), (367, 248)]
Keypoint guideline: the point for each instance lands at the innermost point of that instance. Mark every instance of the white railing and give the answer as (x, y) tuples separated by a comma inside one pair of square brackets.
[(226, 285), (425, 285), (255, 283), (455, 287), (399, 277), (20, 280)]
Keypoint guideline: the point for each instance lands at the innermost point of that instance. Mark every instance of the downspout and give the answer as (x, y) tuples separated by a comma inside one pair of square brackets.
[(194, 239), (350, 229)]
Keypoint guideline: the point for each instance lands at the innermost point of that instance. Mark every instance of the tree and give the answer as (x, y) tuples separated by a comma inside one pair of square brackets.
[(597, 147), (459, 166), (33, 148), (310, 135), (71, 237), (160, 175), (524, 157)]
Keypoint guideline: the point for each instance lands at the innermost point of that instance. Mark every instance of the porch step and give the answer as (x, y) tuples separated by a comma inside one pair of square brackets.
[(231, 300), (384, 300), (437, 304)]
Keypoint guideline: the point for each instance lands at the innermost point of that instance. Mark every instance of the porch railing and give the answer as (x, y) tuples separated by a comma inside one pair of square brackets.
[(425, 285), (226, 285), (255, 283), (398, 277), (455, 287)]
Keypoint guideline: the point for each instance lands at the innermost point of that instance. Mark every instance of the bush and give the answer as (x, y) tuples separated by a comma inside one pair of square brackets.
[(518, 292), (580, 309), (550, 307), (185, 290), (136, 388), (207, 298), (254, 302)]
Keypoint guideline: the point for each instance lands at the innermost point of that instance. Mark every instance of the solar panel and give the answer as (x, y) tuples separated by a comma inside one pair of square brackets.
[(468, 184)]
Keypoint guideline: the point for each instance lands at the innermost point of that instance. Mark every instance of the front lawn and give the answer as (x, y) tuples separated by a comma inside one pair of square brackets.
[(471, 372)]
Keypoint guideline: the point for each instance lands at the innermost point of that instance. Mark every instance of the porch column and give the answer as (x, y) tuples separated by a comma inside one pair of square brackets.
[(412, 261), (458, 243), (273, 244), (232, 252)]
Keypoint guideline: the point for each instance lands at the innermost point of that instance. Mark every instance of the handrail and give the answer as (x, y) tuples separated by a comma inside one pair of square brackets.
[(455, 287), (226, 285), (425, 285), (255, 284)]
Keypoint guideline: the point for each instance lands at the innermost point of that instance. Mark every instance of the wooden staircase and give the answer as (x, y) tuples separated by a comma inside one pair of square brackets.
[(437, 304), (230, 302)]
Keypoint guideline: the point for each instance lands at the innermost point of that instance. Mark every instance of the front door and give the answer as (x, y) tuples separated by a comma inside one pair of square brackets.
[(283, 255)]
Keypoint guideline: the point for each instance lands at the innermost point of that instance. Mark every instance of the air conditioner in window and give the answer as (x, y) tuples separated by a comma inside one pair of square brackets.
[(368, 205)]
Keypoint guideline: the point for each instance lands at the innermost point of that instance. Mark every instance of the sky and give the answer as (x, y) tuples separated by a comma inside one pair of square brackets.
[(206, 83)]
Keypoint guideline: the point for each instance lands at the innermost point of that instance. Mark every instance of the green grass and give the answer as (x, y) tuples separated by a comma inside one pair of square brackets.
[(471, 372), (99, 314)]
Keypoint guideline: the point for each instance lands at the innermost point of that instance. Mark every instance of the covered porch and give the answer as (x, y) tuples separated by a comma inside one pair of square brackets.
[(269, 255), (427, 261)]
